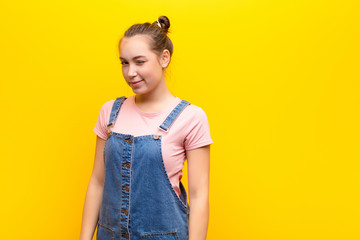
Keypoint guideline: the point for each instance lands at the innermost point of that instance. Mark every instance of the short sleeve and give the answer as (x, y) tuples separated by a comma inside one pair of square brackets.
[(199, 134), (103, 119)]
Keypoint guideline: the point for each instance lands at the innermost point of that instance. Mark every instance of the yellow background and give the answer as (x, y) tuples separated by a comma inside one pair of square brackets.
[(279, 81)]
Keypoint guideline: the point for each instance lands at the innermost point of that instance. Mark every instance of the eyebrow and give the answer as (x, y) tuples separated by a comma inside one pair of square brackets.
[(139, 56)]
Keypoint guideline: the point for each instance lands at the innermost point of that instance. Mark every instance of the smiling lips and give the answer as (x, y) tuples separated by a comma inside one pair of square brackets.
[(135, 83)]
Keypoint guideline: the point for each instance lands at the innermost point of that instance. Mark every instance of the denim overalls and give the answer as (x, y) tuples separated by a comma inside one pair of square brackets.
[(138, 200)]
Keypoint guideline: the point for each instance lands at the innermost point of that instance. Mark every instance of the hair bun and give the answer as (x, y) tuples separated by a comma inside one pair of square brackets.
[(165, 23)]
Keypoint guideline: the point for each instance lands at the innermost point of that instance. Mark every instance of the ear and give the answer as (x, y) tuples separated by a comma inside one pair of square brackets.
[(165, 58)]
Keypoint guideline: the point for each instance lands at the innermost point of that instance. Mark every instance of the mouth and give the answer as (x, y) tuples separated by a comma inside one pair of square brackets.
[(135, 83)]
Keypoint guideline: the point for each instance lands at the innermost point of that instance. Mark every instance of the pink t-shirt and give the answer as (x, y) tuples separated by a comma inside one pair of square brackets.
[(189, 131)]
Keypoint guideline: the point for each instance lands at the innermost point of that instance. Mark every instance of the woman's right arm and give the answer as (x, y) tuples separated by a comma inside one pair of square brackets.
[(94, 193)]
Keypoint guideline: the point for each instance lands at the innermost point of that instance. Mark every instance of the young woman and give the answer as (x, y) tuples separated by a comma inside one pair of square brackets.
[(135, 190)]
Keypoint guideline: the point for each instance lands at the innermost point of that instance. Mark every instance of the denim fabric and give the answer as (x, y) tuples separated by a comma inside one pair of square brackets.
[(138, 199)]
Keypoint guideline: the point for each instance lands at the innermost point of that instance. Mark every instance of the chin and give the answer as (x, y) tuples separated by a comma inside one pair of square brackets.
[(139, 91)]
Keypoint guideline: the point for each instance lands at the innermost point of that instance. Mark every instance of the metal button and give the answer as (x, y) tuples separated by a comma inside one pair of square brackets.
[(156, 137), (127, 165), (125, 212), (130, 141)]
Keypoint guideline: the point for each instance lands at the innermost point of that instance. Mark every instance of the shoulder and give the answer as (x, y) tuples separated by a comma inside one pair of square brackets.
[(106, 107), (194, 124), (109, 104), (192, 117), (193, 112)]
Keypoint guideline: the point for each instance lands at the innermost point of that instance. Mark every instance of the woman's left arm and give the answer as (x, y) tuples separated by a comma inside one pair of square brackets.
[(198, 161)]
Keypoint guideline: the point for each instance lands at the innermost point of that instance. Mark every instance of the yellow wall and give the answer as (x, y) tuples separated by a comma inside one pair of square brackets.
[(279, 81)]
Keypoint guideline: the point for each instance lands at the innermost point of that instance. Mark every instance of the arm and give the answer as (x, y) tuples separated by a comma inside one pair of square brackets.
[(94, 193), (198, 182)]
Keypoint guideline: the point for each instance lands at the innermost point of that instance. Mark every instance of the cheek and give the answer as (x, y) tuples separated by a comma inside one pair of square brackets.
[(148, 71), (155, 69)]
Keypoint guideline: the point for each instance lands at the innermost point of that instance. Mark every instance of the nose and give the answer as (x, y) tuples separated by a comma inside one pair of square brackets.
[(132, 71)]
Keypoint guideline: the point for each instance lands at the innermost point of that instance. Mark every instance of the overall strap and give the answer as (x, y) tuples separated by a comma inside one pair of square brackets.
[(115, 110), (173, 115)]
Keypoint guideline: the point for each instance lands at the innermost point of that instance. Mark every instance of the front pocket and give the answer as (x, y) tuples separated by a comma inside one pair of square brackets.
[(104, 233), (160, 236)]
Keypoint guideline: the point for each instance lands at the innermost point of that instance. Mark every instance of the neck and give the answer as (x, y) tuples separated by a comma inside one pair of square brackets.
[(155, 100)]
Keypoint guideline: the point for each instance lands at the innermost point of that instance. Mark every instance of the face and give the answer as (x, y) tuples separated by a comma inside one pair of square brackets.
[(142, 69)]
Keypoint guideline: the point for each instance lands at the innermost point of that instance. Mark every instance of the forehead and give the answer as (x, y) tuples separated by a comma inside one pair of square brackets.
[(134, 46)]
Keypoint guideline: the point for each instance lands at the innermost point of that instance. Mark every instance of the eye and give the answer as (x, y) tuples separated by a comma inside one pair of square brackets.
[(140, 62), (124, 63)]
